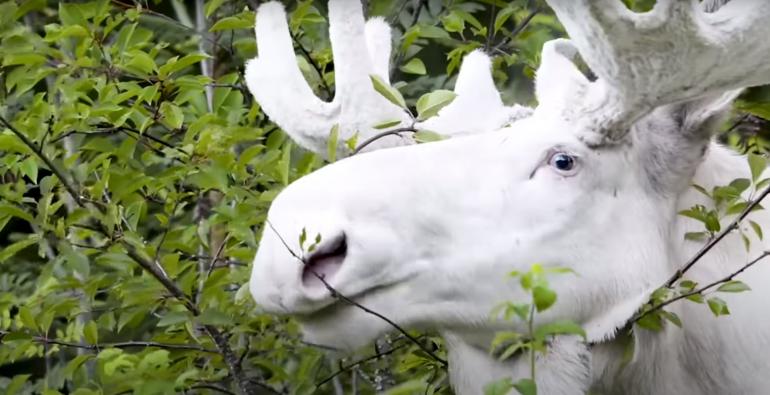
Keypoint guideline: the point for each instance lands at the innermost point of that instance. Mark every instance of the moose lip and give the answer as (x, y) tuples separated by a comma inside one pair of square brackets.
[(324, 263)]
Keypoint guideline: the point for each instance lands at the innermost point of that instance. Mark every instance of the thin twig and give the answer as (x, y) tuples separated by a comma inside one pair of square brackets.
[(409, 129), (713, 284), (716, 239), (39, 153), (327, 89), (127, 344), (359, 362), (518, 29)]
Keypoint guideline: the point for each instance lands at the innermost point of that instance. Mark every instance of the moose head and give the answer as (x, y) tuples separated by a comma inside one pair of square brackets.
[(590, 180)]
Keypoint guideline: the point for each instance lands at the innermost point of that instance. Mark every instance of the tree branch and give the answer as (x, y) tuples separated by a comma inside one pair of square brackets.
[(370, 140), (39, 153), (716, 239), (701, 290)]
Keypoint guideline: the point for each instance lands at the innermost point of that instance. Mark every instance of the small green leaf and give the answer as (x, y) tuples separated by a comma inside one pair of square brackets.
[(29, 168), (502, 17), (331, 144), (91, 333), (387, 124), (499, 387), (172, 114), (757, 164), (388, 92), (426, 136), (757, 229), (431, 103), (718, 306), (559, 328), (526, 387), (242, 21), (414, 66), (733, 286), (352, 142), (543, 297)]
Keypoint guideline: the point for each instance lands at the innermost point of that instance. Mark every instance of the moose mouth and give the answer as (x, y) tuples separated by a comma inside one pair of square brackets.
[(324, 263)]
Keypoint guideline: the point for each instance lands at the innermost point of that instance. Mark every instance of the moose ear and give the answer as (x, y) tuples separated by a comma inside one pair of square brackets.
[(558, 78), (672, 141), (702, 117)]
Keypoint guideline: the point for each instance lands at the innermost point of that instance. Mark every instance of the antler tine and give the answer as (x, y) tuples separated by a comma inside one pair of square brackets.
[(378, 39), (477, 107), (674, 53), (275, 80)]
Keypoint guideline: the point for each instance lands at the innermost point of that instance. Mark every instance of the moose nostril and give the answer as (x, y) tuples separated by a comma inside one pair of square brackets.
[(324, 262)]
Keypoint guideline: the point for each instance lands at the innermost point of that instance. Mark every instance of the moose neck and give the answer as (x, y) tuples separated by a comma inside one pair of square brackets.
[(565, 369)]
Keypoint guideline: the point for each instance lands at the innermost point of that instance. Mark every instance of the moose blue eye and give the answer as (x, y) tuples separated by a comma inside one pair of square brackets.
[(562, 161)]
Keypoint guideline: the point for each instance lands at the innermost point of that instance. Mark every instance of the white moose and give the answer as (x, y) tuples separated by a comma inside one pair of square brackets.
[(591, 180)]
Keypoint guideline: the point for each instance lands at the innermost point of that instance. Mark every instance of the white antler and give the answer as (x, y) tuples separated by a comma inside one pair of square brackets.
[(360, 49), (676, 52)]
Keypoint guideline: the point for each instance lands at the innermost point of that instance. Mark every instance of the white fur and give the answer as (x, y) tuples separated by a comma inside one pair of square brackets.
[(433, 229)]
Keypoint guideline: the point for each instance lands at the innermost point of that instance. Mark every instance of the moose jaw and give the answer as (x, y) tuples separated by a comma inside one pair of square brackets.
[(592, 180)]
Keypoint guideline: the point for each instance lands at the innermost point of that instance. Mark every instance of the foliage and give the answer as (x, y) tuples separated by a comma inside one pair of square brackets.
[(136, 172)]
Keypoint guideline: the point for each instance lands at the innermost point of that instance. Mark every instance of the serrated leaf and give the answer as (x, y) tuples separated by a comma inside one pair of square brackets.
[(733, 286), (431, 103), (503, 17), (414, 66), (757, 229), (388, 92)]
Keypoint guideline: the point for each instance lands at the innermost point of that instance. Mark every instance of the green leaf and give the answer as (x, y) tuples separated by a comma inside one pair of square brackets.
[(387, 91), (172, 114), (9, 251), (331, 144), (242, 21), (29, 168), (757, 164), (431, 103), (211, 7), (733, 286), (16, 384), (27, 319), (526, 387), (91, 333), (414, 66), (426, 136), (499, 387), (176, 64), (563, 327), (757, 229), (718, 306), (387, 124), (543, 297), (453, 22), (503, 17)]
